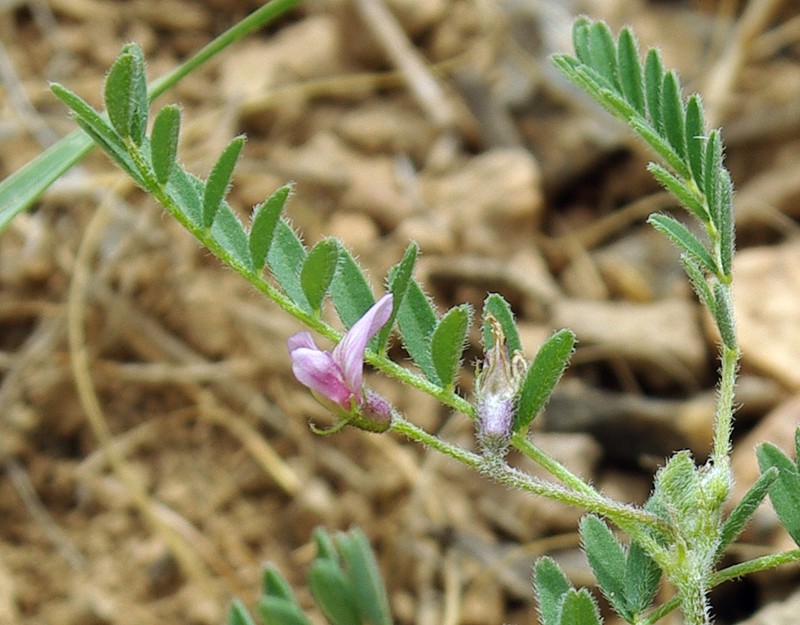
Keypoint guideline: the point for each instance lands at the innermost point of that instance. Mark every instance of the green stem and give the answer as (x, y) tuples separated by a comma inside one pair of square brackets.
[(551, 465), (723, 420), (732, 572), (252, 22), (629, 518)]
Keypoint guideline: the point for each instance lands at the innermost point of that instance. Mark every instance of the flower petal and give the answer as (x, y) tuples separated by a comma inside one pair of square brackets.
[(318, 371), (301, 339), (349, 353)]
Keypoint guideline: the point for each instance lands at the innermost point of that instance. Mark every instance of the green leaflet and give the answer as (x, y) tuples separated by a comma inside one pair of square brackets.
[(642, 577), (398, 280), (273, 584), (333, 592), (653, 83), (125, 94), (698, 281), (579, 608), (98, 129), (350, 291), (417, 321), (164, 141), (680, 235), (680, 190), (318, 271), (608, 561), (542, 376), (280, 611), (673, 114), (185, 190), (550, 585), (695, 137), (723, 315), (630, 70), (448, 342), (262, 227), (711, 169), (741, 514), (368, 588), (785, 491), (238, 614), (219, 180), (229, 233), (726, 223), (285, 258)]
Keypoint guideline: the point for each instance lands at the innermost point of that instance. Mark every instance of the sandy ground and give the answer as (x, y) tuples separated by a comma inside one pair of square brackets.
[(154, 445)]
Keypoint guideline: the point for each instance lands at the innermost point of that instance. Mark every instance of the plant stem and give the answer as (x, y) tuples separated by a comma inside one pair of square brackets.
[(628, 517), (551, 465), (723, 420), (732, 572)]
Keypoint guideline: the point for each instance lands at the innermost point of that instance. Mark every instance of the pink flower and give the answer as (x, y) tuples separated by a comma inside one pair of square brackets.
[(337, 375)]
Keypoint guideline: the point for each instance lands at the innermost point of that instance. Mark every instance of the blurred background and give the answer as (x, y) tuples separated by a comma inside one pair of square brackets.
[(154, 445)]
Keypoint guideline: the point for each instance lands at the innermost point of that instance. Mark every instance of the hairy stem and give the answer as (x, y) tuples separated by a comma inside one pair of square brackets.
[(723, 420), (631, 519)]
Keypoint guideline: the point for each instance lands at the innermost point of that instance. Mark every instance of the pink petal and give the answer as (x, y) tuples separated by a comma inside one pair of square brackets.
[(318, 371), (349, 353), (301, 339)]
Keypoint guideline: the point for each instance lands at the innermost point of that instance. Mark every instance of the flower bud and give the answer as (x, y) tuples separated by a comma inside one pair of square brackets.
[(496, 389)]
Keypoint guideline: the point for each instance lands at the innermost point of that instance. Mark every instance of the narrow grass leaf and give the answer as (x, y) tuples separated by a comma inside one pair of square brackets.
[(642, 577), (417, 321), (607, 559), (653, 82), (448, 342), (542, 376), (398, 280), (285, 257), (219, 180), (350, 290), (785, 491), (262, 226), (21, 189), (230, 234), (680, 190), (551, 586), (723, 315), (164, 141), (365, 577), (683, 238), (496, 305), (333, 592), (280, 611), (630, 70), (603, 53), (318, 271), (699, 283), (579, 608), (673, 114), (695, 137), (741, 514), (238, 614)]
